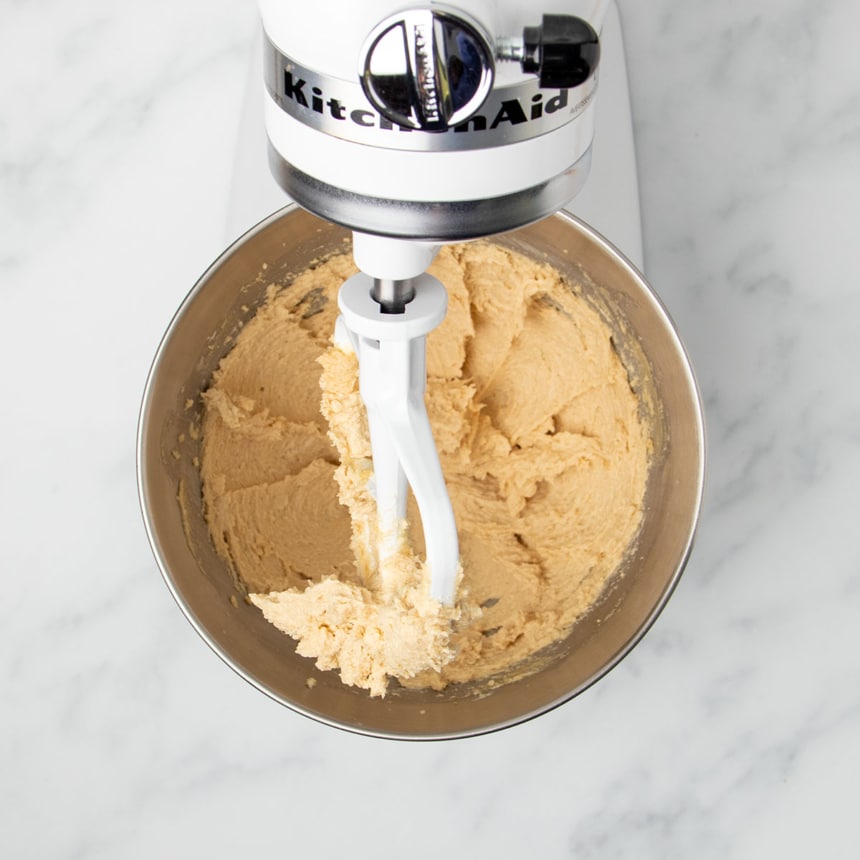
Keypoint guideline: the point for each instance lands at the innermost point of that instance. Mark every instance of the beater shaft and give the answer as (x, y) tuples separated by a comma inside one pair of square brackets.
[(393, 295)]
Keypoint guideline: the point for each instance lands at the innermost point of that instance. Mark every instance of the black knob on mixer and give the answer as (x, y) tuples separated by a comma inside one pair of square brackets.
[(564, 51)]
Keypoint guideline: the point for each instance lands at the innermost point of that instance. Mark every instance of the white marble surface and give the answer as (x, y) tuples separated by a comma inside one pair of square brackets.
[(733, 730)]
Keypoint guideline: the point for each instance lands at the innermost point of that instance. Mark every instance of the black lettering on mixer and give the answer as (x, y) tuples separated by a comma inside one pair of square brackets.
[(557, 103), (512, 113), (293, 89), (338, 111), (473, 123), (363, 117), (510, 110)]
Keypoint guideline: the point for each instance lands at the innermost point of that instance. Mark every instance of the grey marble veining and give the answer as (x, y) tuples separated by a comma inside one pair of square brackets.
[(732, 730)]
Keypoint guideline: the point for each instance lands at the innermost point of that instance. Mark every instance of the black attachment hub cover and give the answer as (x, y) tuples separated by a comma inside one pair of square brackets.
[(564, 51)]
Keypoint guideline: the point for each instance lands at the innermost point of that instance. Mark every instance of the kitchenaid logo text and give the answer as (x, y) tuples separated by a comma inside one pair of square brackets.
[(427, 73), (509, 112), (339, 108)]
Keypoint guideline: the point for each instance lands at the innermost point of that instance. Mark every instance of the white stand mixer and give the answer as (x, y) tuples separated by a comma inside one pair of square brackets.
[(415, 127)]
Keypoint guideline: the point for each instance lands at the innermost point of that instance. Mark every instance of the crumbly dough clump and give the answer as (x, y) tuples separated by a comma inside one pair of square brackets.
[(541, 442)]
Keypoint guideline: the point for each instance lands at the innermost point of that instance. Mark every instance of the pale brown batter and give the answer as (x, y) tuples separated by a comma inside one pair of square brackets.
[(542, 447)]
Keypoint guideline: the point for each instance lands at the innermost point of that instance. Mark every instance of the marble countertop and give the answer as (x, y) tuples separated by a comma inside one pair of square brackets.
[(732, 730)]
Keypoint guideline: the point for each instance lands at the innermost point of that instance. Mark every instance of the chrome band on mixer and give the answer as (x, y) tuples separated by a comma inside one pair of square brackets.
[(466, 219), (340, 108)]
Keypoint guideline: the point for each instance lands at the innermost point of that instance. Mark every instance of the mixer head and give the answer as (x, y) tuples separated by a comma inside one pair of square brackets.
[(421, 124)]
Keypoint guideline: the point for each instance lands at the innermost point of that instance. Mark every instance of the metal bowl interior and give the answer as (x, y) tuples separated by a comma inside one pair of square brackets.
[(169, 483)]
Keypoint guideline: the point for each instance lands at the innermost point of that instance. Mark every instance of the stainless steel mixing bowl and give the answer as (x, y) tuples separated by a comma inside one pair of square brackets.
[(168, 446)]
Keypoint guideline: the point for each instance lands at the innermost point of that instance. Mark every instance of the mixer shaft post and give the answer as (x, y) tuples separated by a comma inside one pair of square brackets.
[(393, 295)]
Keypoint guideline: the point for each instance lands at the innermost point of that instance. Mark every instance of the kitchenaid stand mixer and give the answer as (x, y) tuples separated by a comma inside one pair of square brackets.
[(415, 127), (288, 241)]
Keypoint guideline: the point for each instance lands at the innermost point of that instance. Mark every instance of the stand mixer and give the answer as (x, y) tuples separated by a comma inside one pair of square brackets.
[(416, 126)]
